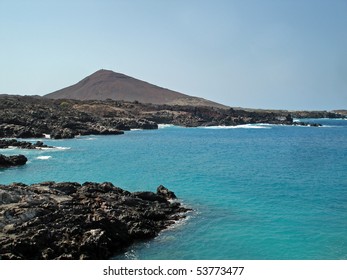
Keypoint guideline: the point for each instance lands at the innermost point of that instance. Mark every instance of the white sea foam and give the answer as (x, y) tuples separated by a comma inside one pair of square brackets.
[(11, 148), (136, 129), (63, 148), (177, 224), (47, 136), (55, 148), (131, 255), (44, 157), (85, 138), (184, 220), (242, 126), (163, 125)]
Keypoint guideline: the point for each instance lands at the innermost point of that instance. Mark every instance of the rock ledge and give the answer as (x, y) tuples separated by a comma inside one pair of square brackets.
[(72, 221)]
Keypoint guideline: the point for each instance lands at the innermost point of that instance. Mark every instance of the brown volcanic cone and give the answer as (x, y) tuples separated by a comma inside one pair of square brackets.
[(105, 84)]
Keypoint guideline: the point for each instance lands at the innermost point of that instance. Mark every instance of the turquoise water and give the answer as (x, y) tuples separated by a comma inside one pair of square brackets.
[(258, 191)]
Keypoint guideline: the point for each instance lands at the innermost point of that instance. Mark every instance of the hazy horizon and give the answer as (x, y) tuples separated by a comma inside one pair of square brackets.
[(288, 55)]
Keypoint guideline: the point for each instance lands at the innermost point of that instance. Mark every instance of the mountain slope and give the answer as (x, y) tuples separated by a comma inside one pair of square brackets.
[(106, 84)]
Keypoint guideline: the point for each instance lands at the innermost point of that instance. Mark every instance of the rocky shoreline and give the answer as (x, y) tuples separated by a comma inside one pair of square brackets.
[(37, 117), (69, 220), (72, 221), (18, 160)]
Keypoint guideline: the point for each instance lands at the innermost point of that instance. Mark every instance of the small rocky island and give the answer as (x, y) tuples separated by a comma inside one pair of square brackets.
[(72, 221), (15, 160)]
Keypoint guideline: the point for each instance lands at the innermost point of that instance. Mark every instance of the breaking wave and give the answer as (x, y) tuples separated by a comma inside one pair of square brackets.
[(242, 126), (43, 157), (160, 126), (56, 148)]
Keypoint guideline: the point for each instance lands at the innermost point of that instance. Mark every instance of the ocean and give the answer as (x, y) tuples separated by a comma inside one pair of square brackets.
[(268, 192)]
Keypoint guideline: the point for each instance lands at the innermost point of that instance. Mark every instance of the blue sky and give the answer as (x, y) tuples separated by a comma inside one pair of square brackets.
[(280, 54)]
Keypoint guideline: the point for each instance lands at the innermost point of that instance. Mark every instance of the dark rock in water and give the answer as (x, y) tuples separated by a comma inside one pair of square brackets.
[(12, 160), (65, 133), (146, 124), (149, 196), (110, 131), (164, 192), (307, 124), (72, 221), (289, 118), (4, 144)]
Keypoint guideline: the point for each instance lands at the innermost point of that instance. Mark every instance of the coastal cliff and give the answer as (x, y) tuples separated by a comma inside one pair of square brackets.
[(72, 221)]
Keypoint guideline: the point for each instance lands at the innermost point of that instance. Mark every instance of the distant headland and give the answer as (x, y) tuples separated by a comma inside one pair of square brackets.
[(109, 103), (70, 112), (38, 117)]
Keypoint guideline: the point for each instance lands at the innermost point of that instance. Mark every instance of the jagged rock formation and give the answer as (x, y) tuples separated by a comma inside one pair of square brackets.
[(72, 221), (33, 117)]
